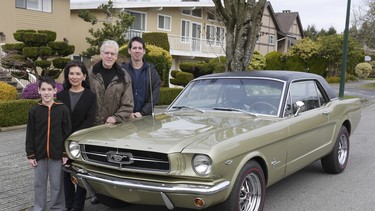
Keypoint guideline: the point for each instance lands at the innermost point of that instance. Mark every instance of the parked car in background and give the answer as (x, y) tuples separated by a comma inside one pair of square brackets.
[(222, 141)]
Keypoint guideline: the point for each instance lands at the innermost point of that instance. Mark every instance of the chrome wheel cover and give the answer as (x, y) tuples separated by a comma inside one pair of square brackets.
[(342, 154), (251, 193)]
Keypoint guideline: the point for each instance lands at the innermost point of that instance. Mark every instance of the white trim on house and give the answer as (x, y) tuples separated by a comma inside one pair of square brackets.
[(93, 4)]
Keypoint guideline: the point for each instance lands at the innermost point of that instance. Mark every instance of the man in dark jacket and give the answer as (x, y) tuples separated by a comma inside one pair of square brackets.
[(145, 79)]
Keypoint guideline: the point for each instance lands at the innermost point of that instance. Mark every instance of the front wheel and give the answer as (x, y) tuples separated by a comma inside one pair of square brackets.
[(336, 161), (248, 192)]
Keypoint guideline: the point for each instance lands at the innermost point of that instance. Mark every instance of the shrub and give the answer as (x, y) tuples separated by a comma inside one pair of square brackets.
[(187, 67), (333, 79), (258, 62), (318, 65), (218, 64), (14, 112), (7, 92), (159, 39), (181, 78), (31, 90), (167, 95), (197, 68), (363, 70), (274, 61), (295, 63), (336, 79)]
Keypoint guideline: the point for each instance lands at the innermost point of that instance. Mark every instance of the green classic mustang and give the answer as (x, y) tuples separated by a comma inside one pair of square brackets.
[(222, 141)]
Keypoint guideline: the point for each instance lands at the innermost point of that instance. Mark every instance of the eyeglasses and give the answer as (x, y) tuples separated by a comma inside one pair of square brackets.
[(109, 53)]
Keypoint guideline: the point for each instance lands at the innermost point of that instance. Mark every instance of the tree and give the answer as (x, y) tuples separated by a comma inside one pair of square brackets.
[(363, 23), (331, 48), (311, 32), (115, 26), (243, 20), (37, 53), (324, 32)]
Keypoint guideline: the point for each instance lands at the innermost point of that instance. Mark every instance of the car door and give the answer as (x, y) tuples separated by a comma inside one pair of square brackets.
[(310, 131)]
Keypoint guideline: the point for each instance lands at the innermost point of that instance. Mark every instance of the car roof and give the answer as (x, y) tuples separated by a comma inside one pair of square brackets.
[(283, 75)]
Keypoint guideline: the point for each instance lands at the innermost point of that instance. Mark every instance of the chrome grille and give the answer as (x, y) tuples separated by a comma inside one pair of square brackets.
[(125, 158)]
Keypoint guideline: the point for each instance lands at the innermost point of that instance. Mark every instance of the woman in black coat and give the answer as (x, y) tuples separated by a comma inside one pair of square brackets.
[(82, 106)]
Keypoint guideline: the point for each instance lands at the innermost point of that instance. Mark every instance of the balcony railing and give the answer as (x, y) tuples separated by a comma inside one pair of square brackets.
[(188, 46)]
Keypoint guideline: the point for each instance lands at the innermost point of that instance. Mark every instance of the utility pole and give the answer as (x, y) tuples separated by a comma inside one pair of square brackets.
[(345, 52)]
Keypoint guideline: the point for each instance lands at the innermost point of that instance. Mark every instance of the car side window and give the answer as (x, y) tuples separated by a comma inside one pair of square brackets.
[(305, 91)]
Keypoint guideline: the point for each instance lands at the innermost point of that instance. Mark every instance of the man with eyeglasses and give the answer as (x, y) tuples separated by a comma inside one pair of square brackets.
[(113, 89), (112, 86)]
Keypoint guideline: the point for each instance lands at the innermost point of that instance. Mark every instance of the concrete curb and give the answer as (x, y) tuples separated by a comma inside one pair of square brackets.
[(16, 127)]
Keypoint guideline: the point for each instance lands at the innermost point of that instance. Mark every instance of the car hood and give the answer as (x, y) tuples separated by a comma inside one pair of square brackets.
[(171, 132)]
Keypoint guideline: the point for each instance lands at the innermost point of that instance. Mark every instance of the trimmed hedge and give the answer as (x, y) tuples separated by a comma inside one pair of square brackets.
[(167, 95), (14, 112)]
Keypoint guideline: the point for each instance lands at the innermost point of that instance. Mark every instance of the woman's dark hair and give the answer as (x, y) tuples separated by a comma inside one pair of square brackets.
[(138, 39), (82, 66)]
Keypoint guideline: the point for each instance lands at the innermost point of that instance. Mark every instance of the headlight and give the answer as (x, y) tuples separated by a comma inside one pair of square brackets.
[(202, 164), (74, 149)]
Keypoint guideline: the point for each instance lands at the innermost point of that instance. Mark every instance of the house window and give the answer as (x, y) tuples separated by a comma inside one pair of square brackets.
[(139, 23), (196, 13), (271, 39), (211, 16), (210, 34), (185, 31), (38, 5), (164, 22), (220, 36), (76, 57)]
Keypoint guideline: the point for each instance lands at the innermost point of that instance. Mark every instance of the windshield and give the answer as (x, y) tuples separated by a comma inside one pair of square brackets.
[(253, 95)]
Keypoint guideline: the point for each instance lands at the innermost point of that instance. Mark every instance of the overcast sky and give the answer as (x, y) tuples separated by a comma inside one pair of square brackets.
[(321, 13)]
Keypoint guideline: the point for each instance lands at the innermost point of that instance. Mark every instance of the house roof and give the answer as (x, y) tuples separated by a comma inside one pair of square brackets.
[(273, 16), (286, 19)]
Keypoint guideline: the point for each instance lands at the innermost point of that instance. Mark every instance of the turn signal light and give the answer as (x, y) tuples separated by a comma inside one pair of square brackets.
[(199, 202)]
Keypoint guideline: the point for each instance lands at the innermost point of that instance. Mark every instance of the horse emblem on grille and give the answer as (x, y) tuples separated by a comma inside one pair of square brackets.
[(120, 157)]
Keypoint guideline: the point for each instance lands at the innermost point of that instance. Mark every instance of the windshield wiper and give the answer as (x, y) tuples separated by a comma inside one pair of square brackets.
[(189, 107), (234, 109)]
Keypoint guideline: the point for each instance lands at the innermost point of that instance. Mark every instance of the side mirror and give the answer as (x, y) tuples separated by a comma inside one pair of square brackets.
[(299, 105)]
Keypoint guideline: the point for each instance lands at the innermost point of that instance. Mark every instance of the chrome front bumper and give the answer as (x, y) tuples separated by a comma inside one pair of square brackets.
[(162, 188)]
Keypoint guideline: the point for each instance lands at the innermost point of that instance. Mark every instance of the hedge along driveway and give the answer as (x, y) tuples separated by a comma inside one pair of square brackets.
[(14, 112)]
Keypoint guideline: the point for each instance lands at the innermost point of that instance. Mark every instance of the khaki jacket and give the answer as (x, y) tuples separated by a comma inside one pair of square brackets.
[(116, 100)]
